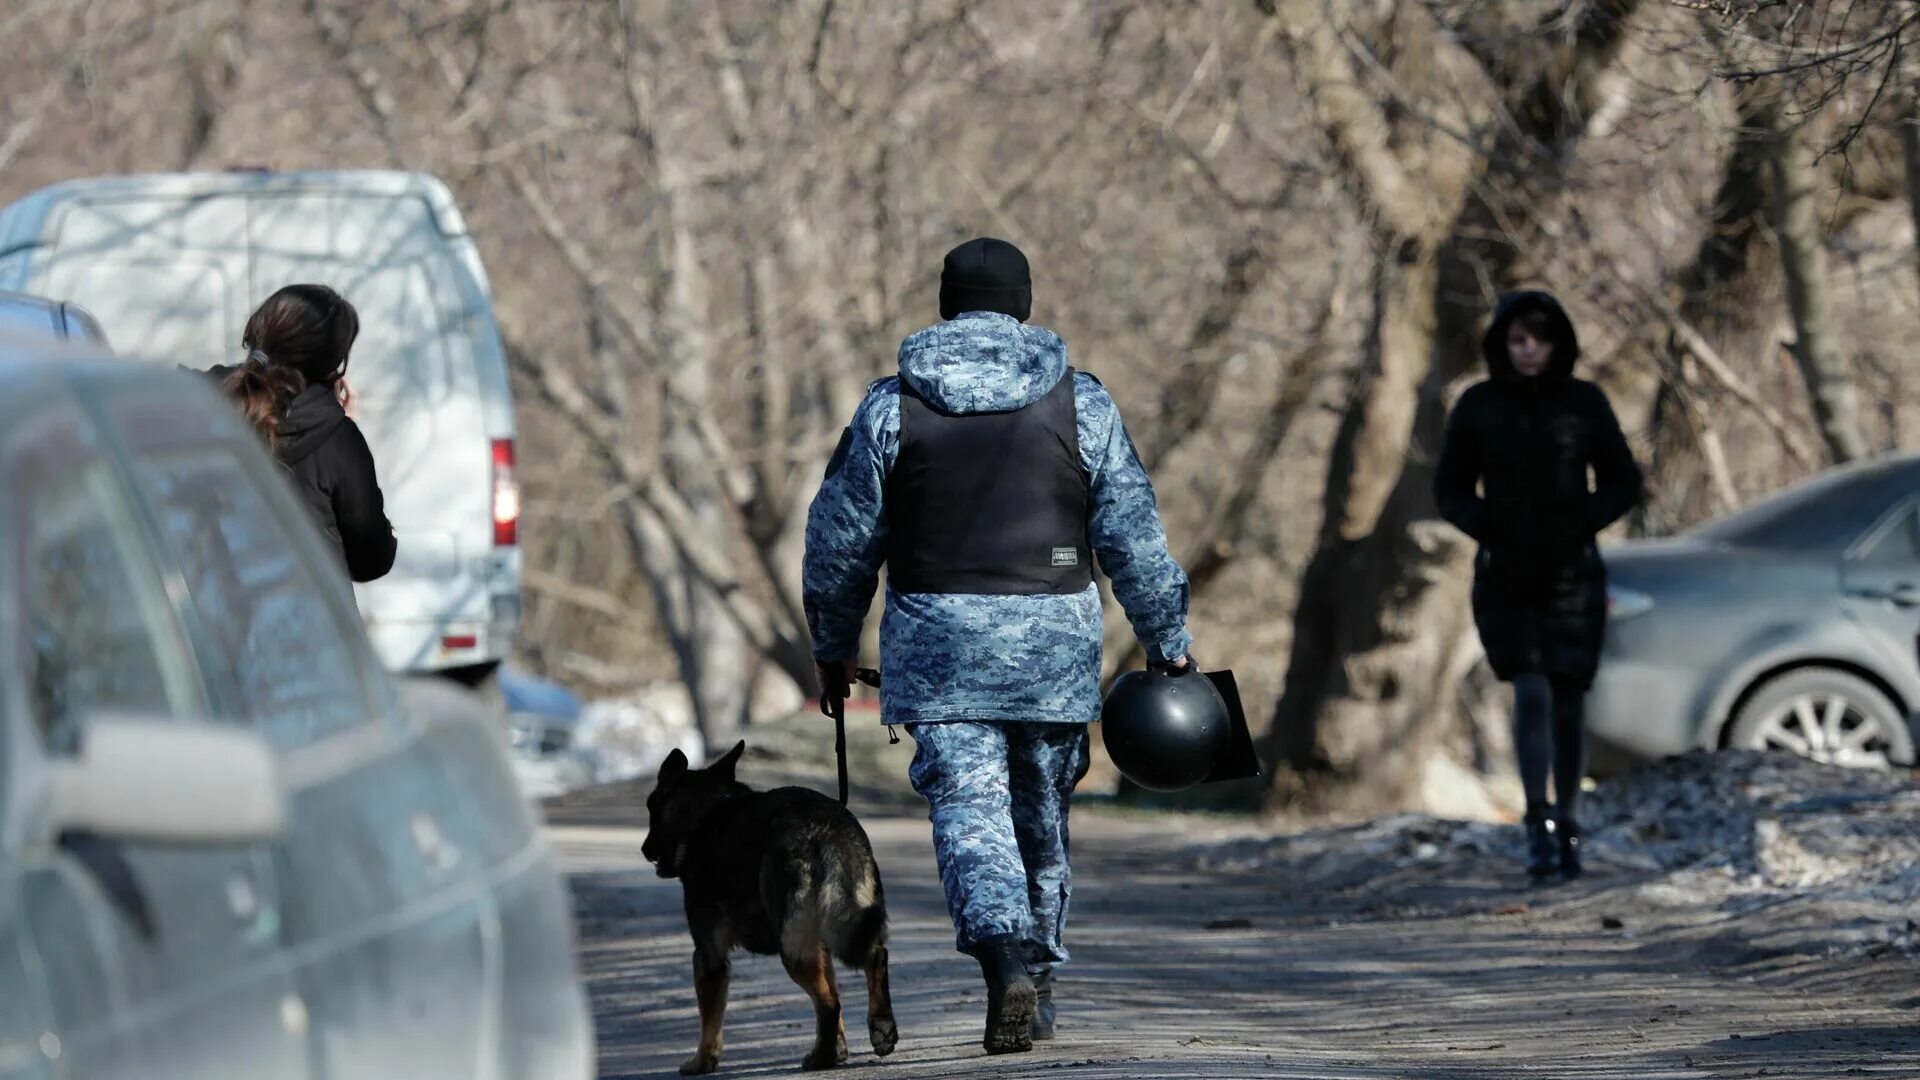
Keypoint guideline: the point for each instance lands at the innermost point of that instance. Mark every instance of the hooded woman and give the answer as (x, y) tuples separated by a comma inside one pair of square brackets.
[(293, 389), (1514, 475)]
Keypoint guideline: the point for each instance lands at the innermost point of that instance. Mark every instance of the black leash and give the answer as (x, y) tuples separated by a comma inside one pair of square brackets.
[(839, 714), (834, 703)]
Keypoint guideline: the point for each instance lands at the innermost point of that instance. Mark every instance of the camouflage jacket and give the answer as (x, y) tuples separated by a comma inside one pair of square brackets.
[(976, 657)]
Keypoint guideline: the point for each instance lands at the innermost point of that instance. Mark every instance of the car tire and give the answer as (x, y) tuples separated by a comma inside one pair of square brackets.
[(1825, 714)]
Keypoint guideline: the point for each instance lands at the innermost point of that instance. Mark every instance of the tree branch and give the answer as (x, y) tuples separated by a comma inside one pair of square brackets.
[(1697, 345), (679, 520), (366, 81), (584, 597), (1355, 126)]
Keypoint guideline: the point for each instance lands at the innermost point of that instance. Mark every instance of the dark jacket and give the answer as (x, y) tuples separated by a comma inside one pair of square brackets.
[(1513, 474), (333, 470)]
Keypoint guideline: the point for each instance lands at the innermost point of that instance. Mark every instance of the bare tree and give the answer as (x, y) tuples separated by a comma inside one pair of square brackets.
[(1271, 228), (1455, 206), (1808, 64), (767, 170), (1796, 185)]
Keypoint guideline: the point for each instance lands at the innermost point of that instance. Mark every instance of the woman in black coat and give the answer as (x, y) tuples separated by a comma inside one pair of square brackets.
[(293, 388), (1513, 475)]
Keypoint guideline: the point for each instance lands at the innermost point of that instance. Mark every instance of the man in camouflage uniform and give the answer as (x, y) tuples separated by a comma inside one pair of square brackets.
[(986, 477)]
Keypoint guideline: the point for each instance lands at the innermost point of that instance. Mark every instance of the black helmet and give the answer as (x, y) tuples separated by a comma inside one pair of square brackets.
[(1166, 732)]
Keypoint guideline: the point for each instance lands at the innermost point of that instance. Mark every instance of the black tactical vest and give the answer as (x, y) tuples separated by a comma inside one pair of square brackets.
[(992, 503)]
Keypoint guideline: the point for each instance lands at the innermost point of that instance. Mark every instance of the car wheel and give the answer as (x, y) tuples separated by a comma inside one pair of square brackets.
[(1826, 715)]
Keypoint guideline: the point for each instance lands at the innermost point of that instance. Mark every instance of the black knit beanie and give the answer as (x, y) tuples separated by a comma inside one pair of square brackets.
[(986, 275)]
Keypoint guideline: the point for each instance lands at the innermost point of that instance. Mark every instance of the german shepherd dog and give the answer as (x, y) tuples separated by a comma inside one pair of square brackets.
[(787, 872)]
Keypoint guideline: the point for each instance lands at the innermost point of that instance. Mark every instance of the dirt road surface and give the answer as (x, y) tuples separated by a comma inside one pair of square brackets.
[(1187, 964)]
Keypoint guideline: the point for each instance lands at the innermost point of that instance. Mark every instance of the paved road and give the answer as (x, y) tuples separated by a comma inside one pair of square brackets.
[(1479, 979)]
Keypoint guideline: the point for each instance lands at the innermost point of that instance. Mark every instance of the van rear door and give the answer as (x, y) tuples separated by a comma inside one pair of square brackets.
[(171, 273)]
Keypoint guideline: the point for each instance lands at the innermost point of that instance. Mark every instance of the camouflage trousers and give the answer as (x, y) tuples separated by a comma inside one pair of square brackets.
[(997, 795)]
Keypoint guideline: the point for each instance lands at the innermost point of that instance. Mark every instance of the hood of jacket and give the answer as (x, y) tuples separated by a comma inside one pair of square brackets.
[(1566, 345), (314, 414), (982, 362)]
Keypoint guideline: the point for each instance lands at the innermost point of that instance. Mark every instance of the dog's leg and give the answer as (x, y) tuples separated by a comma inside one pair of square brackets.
[(880, 1025), (812, 968), (711, 975)]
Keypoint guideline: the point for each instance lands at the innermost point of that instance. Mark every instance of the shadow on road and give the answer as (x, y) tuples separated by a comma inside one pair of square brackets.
[(1483, 977)]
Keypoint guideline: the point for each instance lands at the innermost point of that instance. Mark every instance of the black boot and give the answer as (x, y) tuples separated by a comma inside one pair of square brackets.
[(1043, 1005), (1568, 831), (1543, 854), (1010, 995)]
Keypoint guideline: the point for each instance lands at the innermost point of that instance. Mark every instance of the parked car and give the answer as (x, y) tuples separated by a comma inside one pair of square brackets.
[(23, 315), (175, 263), (543, 718), (229, 846), (1791, 625)]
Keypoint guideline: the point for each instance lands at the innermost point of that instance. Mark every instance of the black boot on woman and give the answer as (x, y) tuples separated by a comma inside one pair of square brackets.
[(1568, 832), (1543, 854)]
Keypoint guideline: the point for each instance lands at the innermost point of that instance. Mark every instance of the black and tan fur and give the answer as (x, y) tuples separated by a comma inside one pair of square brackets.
[(786, 872)]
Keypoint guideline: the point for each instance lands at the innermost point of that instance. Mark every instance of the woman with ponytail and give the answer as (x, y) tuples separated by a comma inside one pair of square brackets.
[(293, 389), (264, 392)]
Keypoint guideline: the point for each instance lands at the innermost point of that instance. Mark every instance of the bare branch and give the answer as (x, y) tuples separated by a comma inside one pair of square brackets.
[(677, 519), (585, 597), (24, 128), (366, 81), (1697, 345), (1354, 123)]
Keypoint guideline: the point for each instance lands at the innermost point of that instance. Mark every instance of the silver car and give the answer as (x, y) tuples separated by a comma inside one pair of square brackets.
[(23, 316), (228, 846), (1792, 625), (543, 717)]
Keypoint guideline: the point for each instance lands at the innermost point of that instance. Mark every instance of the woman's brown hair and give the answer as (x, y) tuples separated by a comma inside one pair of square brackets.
[(309, 328), (264, 391), (300, 336)]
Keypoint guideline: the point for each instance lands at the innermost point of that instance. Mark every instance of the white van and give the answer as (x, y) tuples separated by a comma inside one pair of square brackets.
[(172, 265)]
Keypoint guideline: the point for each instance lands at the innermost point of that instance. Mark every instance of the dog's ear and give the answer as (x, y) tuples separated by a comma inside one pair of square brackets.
[(724, 767), (674, 767)]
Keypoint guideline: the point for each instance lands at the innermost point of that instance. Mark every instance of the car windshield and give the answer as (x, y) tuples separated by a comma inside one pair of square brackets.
[(1826, 513)]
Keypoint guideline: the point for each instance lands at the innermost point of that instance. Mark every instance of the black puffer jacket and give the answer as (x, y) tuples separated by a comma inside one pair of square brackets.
[(1513, 475), (333, 469)]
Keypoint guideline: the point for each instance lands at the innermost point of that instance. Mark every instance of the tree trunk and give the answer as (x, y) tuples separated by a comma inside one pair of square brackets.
[(1803, 267), (1730, 277), (1383, 614), (1910, 152), (1378, 623), (720, 678), (1220, 540), (712, 651)]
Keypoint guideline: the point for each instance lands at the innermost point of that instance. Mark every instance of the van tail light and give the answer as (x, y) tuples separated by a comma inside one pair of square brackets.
[(1625, 603), (506, 496)]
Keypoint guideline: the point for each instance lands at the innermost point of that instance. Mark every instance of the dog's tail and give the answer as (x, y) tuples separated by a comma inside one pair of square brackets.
[(858, 929)]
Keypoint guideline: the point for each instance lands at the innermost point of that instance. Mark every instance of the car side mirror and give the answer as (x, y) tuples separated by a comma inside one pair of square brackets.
[(168, 780)]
